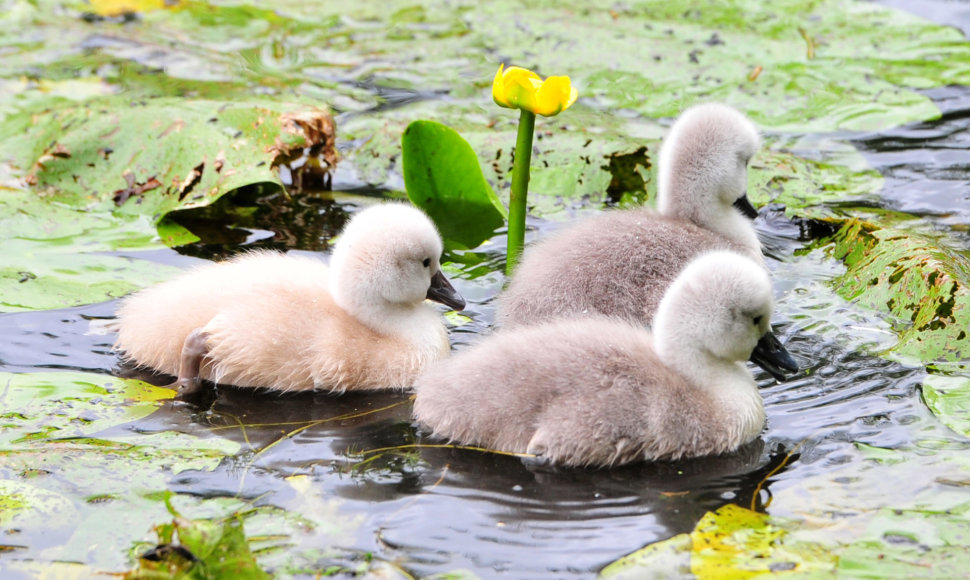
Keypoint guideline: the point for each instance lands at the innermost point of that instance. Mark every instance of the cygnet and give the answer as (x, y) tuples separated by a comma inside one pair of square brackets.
[(288, 323), (620, 262), (597, 391)]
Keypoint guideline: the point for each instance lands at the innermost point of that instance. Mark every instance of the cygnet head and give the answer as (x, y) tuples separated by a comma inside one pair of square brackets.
[(388, 255), (703, 166), (719, 309)]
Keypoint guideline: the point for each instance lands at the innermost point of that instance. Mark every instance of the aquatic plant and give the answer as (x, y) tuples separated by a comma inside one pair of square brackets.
[(518, 88)]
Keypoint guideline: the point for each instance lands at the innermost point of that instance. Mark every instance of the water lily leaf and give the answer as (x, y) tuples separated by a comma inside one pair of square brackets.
[(909, 544), (67, 432), (839, 73), (443, 177), (104, 173), (55, 256), (43, 406), (20, 502), (949, 399), (731, 542), (811, 188), (669, 558), (153, 156), (38, 279), (913, 278), (27, 509), (205, 549)]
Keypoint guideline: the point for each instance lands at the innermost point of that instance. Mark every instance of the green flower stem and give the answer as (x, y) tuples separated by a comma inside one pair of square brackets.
[(520, 189)]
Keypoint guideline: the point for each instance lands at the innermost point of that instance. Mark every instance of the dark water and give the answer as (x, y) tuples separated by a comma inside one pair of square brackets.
[(436, 510)]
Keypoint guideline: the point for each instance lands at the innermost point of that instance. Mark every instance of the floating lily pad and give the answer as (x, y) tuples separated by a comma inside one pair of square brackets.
[(43, 406), (28, 509), (910, 544), (150, 157), (102, 174), (949, 399), (732, 542), (737, 543), (915, 279), (814, 189), (199, 548)]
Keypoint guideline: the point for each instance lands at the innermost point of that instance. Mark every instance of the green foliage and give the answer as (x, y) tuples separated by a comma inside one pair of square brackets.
[(914, 278), (103, 173), (64, 450), (23, 504), (45, 406), (444, 179), (150, 157), (732, 542), (910, 544), (837, 187), (199, 550), (949, 399), (737, 543)]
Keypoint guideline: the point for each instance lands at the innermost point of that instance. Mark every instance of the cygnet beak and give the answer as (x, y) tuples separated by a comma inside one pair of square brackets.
[(744, 206), (770, 355), (442, 291)]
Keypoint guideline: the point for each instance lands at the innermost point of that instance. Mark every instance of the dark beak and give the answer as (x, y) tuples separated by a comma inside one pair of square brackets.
[(770, 355), (744, 206), (442, 291)]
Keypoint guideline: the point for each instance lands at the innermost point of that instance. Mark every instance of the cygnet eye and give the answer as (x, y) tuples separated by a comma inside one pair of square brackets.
[(426, 262), (757, 320)]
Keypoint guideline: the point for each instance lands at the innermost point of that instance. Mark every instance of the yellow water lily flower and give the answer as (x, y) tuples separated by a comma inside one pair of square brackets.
[(518, 88)]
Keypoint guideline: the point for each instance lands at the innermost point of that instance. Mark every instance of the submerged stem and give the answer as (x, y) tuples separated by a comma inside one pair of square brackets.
[(520, 189)]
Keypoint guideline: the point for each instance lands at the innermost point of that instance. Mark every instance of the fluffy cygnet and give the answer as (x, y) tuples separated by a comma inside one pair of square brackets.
[(703, 173), (620, 262), (283, 322), (597, 391)]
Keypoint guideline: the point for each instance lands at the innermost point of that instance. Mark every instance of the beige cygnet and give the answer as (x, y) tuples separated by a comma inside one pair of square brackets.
[(620, 262), (288, 323), (597, 391)]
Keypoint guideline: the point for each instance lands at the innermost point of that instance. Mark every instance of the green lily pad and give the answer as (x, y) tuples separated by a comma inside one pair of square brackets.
[(110, 170), (44, 406), (913, 278), (909, 544), (60, 431), (814, 189), (731, 542), (949, 399), (571, 168), (199, 549), (150, 157), (850, 66), (443, 178), (24, 504)]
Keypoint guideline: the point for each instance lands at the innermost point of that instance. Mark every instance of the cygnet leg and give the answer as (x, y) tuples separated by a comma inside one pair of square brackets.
[(193, 350), (540, 458)]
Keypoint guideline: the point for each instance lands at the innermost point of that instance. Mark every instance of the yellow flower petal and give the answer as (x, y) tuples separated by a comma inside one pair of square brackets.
[(498, 89), (555, 96), (519, 88)]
